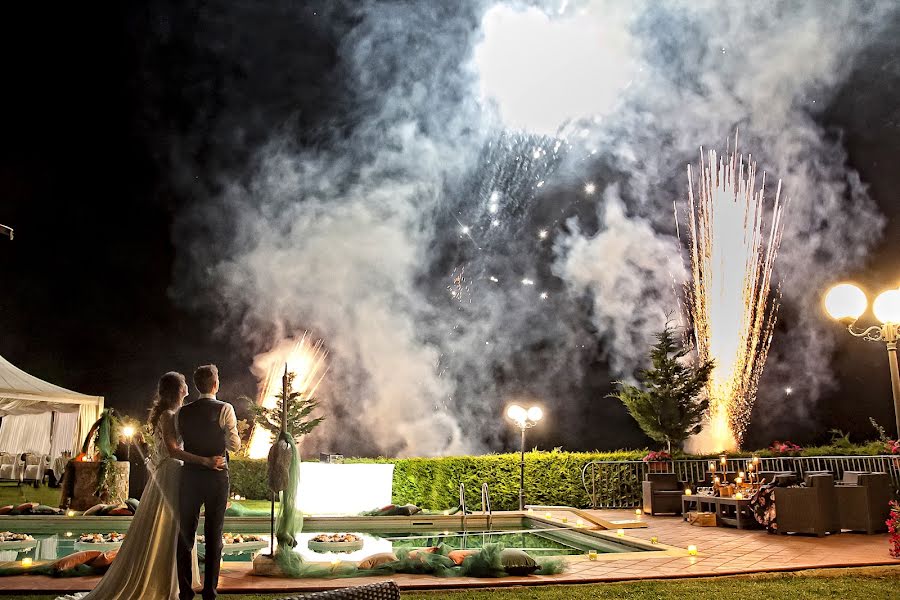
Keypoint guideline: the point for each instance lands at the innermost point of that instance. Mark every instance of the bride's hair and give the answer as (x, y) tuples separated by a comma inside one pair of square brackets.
[(168, 395)]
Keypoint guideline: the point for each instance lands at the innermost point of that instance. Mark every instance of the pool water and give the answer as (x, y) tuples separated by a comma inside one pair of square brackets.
[(535, 539)]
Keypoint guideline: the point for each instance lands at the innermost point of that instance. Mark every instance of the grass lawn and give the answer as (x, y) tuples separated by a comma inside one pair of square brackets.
[(10, 493), (871, 583)]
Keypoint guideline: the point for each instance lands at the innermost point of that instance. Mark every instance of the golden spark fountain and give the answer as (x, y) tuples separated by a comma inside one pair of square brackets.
[(304, 358), (730, 293)]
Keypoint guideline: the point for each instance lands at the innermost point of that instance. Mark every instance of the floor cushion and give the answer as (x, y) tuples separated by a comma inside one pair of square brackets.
[(517, 562), (376, 560)]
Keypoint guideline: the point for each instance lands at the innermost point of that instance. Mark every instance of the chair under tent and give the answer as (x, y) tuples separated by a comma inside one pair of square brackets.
[(41, 425)]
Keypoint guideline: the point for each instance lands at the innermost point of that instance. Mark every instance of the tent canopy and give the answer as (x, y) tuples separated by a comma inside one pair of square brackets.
[(41, 417), (22, 393)]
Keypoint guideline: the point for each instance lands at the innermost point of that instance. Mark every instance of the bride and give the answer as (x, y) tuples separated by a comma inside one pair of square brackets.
[(144, 568)]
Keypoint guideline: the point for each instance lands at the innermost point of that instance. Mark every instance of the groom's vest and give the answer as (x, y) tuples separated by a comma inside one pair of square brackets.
[(198, 423)]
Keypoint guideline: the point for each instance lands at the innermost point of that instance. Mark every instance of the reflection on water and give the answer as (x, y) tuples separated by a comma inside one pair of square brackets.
[(536, 542)]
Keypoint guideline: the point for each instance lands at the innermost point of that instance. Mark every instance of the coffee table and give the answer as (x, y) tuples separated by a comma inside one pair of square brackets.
[(698, 503), (734, 512)]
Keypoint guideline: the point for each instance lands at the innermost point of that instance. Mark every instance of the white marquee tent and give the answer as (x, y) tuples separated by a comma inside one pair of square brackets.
[(39, 417)]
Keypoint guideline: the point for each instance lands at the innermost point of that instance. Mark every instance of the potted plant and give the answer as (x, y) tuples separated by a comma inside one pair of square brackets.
[(658, 461)]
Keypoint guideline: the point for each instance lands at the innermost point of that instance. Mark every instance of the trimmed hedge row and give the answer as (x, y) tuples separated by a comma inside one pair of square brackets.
[(551, 478), (433, 483)]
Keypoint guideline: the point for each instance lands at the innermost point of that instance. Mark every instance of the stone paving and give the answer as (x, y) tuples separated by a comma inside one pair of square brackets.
[(720, 551)]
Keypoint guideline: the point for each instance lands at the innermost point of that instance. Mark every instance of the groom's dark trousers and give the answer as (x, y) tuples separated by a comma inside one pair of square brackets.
[(198, 424)]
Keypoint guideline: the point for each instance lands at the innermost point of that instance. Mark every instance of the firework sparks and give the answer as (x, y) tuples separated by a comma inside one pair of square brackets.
[(304, 358), (732, 258), (590, 188)]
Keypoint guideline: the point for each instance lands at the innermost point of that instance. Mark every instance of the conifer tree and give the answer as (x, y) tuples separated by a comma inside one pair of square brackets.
[(299, 409), (667, 402)]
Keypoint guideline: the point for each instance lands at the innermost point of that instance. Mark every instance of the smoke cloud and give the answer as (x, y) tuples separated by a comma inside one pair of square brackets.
[(436, 234)]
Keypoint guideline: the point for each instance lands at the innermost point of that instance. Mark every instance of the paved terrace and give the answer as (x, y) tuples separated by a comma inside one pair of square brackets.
[(721, 551)]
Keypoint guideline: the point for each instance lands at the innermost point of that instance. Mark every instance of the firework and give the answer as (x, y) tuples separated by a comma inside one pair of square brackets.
[(304, 358), (730, 295)]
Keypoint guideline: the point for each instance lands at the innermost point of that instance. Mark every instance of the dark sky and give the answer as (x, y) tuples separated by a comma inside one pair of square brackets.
[(101, 103)]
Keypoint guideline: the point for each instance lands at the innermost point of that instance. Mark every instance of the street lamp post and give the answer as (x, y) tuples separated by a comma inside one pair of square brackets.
[(846, 303), (524, 419)]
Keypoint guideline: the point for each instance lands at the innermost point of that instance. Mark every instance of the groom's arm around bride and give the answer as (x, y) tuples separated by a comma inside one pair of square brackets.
[(208, 427)]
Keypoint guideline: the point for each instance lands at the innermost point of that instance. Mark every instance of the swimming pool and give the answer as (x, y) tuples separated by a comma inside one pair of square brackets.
[(535, 536)]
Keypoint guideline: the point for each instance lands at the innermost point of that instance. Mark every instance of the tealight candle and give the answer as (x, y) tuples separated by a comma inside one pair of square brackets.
[(530, 511), (68, 534), (638, 511), (548, 515), (27, 561), (592, 555), (579, 523), (739, 496), (70, 513), (692, 550), (687, 492), (565, 519), (654, 540), (620, 532)]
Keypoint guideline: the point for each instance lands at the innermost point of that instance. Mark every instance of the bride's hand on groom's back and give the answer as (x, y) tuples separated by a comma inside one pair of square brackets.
[(216, 463)]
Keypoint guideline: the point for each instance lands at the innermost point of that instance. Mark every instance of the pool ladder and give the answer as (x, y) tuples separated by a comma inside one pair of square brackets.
[(485, 505), (462, 504)]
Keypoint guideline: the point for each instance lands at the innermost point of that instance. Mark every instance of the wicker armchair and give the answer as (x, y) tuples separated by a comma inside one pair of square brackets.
[(385, 590), (863, 502), (811, 509), (662, 493)]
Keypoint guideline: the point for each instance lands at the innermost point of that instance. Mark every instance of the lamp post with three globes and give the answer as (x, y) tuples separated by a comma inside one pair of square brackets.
[(846, 303)]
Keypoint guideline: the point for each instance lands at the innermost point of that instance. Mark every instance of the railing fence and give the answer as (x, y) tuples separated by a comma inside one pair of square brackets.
[(617, 484)]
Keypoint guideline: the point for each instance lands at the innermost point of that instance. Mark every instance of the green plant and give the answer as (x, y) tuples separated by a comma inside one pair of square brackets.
[(300, 406), (839, 439), (668, 405)]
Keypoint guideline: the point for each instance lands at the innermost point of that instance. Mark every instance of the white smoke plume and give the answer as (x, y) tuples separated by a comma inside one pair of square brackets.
[(360, 236)]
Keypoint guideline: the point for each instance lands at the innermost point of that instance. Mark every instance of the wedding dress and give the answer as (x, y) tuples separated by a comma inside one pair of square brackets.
[(144, 568)]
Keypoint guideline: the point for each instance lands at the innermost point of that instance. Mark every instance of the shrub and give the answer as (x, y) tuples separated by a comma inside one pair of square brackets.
[(551, 478)]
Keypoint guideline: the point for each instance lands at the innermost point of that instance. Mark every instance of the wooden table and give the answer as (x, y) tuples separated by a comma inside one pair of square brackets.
[(698, 503), (728, 511), (734, 512)]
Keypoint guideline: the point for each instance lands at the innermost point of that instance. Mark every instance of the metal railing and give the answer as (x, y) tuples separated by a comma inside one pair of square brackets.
[(462, 504), (617, 483), (486, 503)]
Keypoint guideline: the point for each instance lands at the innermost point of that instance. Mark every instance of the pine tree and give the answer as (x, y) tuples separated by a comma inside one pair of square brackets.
[(299, 409), (667, 405)]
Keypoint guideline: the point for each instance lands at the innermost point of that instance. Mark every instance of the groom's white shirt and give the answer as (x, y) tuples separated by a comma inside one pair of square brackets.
[(228, 423)]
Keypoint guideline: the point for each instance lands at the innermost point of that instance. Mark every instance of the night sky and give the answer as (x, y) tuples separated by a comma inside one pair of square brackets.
[(112, 120)]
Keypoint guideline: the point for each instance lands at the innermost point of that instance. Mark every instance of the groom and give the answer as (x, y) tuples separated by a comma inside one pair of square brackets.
[(208, 428)]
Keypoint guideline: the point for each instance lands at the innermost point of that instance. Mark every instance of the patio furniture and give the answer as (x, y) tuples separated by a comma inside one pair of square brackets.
[(662, 493), (35, 466), (811, 509), (735, 512), (863, 504), (11, 467), (385, 590), (697, 503)]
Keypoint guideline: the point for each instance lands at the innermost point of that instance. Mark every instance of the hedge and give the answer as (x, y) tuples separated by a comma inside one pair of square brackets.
[(551, 478)]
